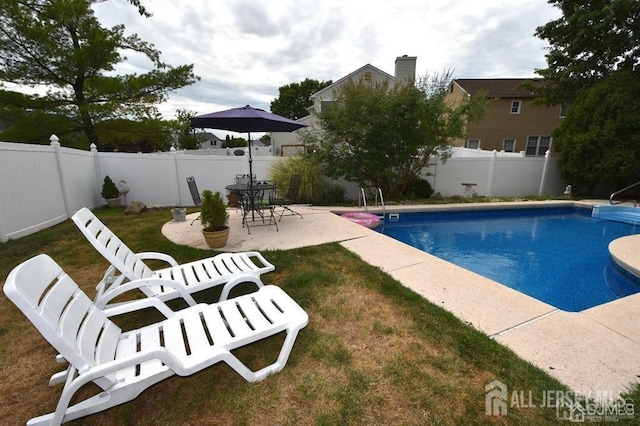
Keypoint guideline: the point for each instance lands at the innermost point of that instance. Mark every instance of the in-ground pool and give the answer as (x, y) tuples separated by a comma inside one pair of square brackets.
[(557, 255)]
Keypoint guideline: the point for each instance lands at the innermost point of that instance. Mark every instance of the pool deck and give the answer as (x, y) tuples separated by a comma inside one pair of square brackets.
[(595, 350)]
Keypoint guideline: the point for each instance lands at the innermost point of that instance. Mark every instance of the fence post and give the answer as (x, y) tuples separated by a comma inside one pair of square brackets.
[(174, 152), (545, 171), (55, 143), (94, 150), (492, 172)]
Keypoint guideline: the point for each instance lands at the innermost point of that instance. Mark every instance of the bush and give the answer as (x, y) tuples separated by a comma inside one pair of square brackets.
[(109, 189), (214, 214), (313, 183), (419, 188)]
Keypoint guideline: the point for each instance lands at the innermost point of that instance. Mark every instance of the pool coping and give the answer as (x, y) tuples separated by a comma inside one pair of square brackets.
[(594, 350), (590, 351)]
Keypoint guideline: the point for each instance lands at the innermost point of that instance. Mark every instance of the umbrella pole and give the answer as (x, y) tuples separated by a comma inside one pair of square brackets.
[(251, 192)]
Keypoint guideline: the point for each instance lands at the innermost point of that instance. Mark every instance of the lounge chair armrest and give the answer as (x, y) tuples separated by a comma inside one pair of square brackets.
[(137, 305), (152, 255), (149, 301)]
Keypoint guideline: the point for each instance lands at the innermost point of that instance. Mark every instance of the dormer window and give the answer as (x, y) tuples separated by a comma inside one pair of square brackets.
[(515, 107)]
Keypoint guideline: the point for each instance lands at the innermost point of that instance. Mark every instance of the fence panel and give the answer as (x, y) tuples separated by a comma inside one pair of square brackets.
[(42, 185), (80, 173), (30, 190)]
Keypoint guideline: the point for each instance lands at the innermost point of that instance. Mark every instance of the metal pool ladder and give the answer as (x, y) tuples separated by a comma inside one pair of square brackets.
[(611, 201), (362, 201)]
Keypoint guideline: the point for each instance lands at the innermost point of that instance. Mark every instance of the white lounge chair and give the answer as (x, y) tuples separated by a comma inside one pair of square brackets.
[(123, 364), (226, 269)]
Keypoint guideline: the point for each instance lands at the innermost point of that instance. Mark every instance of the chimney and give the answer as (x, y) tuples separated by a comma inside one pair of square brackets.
[(405, 68)]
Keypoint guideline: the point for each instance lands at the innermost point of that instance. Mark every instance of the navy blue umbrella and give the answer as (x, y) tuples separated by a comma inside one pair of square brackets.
[(246, 119)]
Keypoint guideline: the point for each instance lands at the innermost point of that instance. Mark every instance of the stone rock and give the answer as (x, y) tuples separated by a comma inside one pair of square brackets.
[(135, 207)]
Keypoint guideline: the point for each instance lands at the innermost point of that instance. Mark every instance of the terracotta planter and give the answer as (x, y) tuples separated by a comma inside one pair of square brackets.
[(234, 200), (216, 239)]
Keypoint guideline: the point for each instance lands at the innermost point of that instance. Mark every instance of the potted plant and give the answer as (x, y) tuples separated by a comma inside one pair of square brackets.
[(214, 218), (110, 192)]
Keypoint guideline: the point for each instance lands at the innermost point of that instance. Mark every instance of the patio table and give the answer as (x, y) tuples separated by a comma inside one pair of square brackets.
[(249, 201)]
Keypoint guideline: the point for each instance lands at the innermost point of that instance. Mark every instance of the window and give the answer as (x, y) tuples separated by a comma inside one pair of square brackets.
[(538, 145), (509, 145), (473, 144), (515, 107), (563, 110)]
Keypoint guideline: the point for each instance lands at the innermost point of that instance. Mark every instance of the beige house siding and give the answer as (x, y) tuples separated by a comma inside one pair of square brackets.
[(286, 143), (499, 123)]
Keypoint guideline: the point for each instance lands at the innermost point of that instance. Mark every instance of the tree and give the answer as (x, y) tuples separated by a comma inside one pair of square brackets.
[(592, 66), (59, 45), (587, 44), (187, 138), (599, 140), (294, 99), (383, 136)]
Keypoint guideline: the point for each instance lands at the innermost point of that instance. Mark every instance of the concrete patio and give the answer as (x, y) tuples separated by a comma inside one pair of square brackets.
[(595, 350)]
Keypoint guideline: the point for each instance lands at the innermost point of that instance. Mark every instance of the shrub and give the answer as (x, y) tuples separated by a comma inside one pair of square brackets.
[(214, 214), (419, 188), (313, 183), (109, 189)]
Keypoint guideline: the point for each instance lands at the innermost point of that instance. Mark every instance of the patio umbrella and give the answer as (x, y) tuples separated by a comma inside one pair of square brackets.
[(246, 119)]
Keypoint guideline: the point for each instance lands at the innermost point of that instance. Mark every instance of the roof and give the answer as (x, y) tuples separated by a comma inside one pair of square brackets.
[(498, 87), (350, 75)]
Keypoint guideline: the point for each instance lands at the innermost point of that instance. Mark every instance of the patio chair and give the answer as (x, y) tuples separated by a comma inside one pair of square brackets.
[(290, 198), (224, 269), (259, 203), (124, 364), (195, 195)]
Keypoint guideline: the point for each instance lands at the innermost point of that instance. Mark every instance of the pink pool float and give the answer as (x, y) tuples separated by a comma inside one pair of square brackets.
[(369, 220)]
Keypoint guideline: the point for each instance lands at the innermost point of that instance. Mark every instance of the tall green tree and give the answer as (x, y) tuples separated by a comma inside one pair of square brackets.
[(59, 46), (599, 140), (588, 43), (187, 138), (593, 66), (294, 99), (379, 135)]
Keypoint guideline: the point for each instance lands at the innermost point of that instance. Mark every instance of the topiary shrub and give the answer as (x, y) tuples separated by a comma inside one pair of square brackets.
[(109, 189), (214, 214)]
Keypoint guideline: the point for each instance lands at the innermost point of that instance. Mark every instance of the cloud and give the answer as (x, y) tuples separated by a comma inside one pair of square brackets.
[(245, 50)]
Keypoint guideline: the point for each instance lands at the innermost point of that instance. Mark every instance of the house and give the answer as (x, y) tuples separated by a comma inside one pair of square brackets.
[(289, 143), (512, 123), (209, 140)]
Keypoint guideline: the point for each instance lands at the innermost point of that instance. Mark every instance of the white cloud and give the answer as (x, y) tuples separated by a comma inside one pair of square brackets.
[(243, 50)]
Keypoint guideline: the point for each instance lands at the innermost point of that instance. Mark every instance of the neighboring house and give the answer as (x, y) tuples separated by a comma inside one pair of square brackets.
[(290, 143), (512, 122), (209, 140)]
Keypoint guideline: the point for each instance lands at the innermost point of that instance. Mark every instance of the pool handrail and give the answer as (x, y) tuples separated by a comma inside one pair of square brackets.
[(612, 202)]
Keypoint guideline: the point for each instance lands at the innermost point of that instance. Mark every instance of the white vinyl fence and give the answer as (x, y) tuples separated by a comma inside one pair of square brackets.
[(495, 176), (41, 185)]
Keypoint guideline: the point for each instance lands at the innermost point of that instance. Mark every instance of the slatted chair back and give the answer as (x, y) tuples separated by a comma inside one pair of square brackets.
[(193, 189), (245, 179), (110, 246), (63, 314)]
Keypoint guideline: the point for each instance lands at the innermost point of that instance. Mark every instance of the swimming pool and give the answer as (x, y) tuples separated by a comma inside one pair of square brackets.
[(557, 255)]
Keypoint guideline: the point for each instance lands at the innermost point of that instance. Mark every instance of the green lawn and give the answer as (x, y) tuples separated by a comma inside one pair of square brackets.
[(374, 352)]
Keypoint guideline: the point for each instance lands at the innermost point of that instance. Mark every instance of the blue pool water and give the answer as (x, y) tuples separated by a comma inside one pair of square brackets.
[(559, 256)]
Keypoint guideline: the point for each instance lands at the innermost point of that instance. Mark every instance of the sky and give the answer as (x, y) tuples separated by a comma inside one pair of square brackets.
[(244, 50)]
